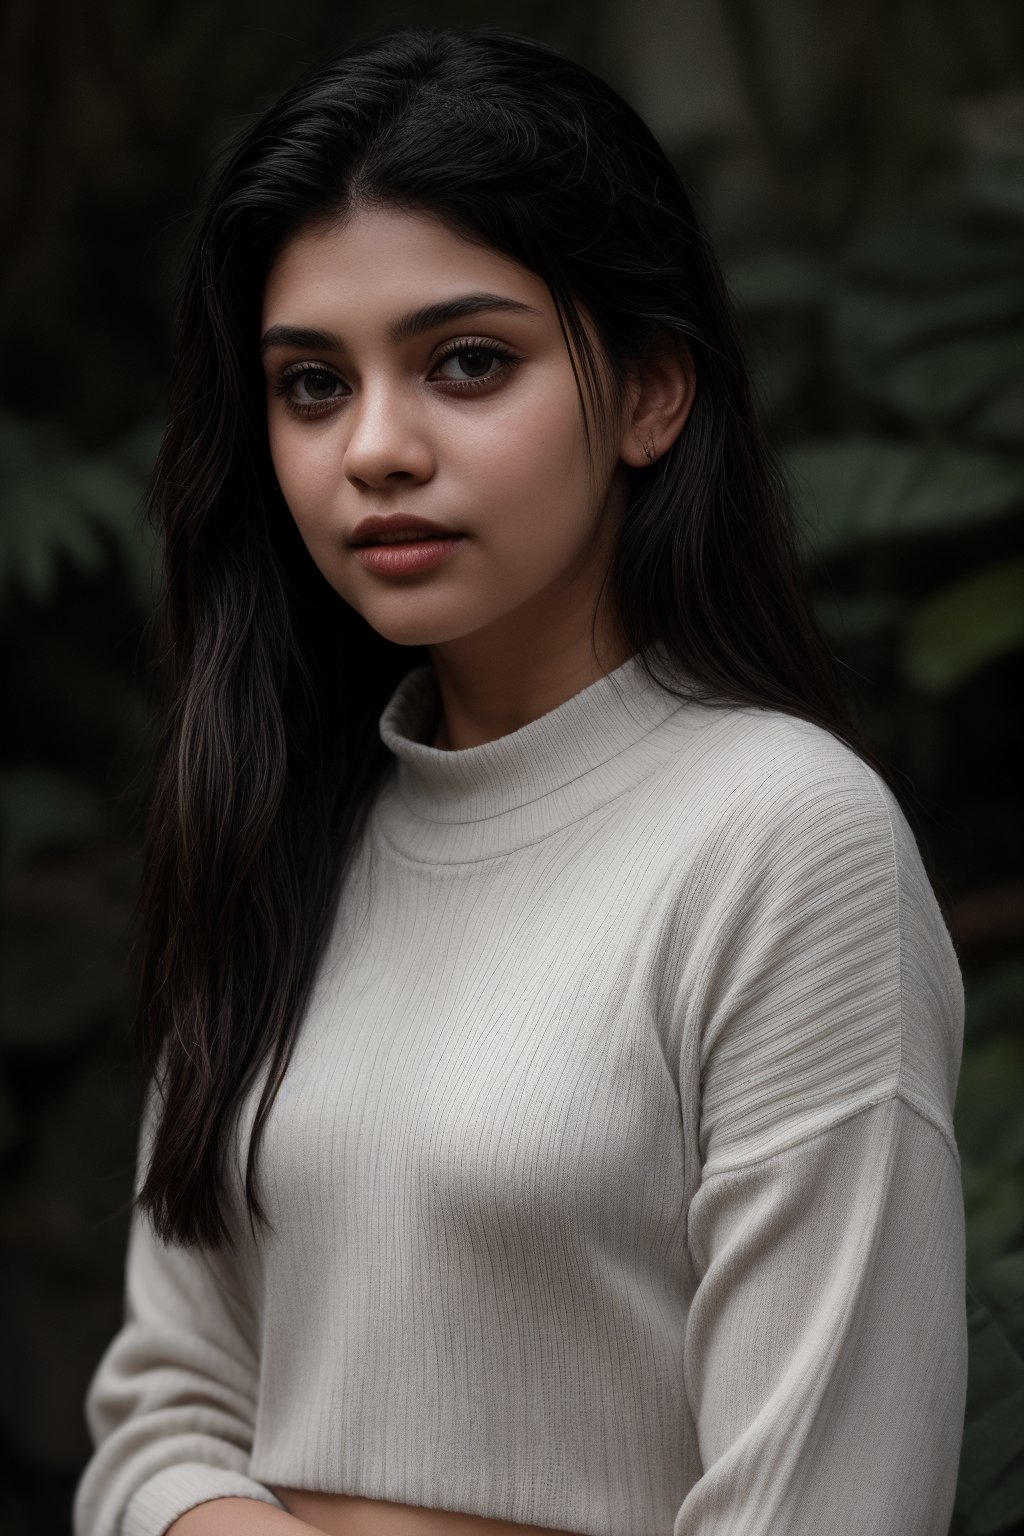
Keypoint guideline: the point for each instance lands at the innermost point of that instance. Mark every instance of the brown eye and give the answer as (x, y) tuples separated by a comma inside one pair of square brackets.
[(318, 387), (475, 361), (476, 364), (318, 383)]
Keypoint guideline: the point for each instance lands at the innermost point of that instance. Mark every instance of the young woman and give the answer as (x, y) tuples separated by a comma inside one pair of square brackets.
[(548, 1028)]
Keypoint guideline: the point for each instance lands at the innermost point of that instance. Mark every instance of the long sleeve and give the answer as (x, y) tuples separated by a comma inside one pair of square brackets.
[(826, 1343), (171, 1404)]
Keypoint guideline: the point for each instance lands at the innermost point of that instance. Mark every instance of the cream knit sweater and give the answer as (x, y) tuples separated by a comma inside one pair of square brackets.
[(614, 1180)]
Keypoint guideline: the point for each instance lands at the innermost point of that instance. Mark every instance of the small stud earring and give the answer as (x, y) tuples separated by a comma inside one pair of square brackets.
[(649, 451)]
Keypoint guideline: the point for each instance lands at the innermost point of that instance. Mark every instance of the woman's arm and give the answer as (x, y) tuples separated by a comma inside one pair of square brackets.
[(238, 1517), (826, 1346), (171, 1406)]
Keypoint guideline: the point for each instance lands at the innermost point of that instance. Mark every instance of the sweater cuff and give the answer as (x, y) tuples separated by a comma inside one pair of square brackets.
[(168, 1494)]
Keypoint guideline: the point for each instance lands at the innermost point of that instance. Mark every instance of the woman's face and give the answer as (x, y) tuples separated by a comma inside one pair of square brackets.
[(471, 420)]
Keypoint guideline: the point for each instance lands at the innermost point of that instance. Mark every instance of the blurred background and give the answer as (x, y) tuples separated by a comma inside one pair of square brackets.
[(861, 169)]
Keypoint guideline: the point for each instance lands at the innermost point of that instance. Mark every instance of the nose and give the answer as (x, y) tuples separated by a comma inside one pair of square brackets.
[(387, 437)]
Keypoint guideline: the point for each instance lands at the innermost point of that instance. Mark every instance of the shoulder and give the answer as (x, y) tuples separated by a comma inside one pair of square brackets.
[(793, 817), (809, 939), (760, 782)]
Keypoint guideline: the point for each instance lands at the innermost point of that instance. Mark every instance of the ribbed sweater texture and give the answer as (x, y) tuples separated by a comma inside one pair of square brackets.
[(613, 1180)]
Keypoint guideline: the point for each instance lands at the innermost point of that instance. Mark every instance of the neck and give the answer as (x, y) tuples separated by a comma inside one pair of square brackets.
[(483, 699), (449, 804)]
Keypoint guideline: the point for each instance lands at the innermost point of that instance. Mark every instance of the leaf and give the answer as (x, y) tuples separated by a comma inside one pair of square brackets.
[(60, 502), (987, 1117), (929, 319), (993, 1209), (997, 420), (989, 1132), (993, 127), (931, 252), (990, 1486), (995, 999), (894, 320), (942, 383), (849, 490), (963, 627)]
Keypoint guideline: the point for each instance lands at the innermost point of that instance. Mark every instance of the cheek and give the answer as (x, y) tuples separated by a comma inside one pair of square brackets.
[(528, 453), (307, 471)]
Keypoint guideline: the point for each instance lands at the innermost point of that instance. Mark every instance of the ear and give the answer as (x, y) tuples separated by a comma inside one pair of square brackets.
[(662, 389)]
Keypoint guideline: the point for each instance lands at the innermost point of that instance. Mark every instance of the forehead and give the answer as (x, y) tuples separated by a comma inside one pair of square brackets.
[(384, 260)]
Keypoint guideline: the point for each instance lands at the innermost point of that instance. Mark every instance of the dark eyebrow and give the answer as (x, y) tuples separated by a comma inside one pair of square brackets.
[(406, 326)]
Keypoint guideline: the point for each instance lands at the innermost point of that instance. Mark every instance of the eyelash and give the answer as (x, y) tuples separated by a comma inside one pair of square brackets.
[(320, 407)]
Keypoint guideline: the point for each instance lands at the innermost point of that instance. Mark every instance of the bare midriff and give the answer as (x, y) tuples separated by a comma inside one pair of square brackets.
[(343, 1514)]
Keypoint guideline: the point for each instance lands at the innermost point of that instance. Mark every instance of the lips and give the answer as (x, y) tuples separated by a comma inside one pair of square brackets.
[(407, 537), (377, 530)]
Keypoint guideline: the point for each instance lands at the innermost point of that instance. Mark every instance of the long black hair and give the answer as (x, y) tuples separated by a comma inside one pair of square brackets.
[(269, 686)]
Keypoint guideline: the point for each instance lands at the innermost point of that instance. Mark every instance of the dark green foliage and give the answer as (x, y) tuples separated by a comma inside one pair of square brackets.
[(990, 1496)]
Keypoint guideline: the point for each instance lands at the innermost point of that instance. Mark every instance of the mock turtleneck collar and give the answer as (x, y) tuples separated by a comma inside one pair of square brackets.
[(442, 806)]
